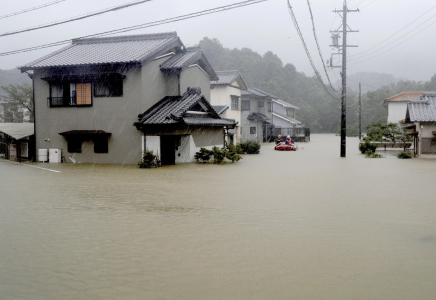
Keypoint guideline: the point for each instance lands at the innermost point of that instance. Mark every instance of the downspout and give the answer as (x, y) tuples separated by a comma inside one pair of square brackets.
[(178, 83)]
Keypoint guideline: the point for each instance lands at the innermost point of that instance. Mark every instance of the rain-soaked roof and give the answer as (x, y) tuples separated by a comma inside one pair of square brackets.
[(17, 130), (285, 104), (228, 77), (176, 110), (191, 56), (423, 110), (108, 50)]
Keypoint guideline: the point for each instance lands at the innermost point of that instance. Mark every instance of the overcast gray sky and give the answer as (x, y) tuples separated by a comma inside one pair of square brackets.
[(266, 26)]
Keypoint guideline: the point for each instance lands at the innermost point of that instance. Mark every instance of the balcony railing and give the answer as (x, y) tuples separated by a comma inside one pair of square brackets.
[(64, 102)]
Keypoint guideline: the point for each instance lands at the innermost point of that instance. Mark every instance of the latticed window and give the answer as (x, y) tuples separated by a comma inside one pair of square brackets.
[(235, 102), (261, 104), (252, 130), (245, 105)]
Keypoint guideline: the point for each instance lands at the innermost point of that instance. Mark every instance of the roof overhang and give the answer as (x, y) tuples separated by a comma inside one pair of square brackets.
[(17, 130), (85, 134)]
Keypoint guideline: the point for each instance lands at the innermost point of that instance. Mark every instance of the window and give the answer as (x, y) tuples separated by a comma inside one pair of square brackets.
[(101, 145), (289, 112), (261, 104), (235, 102), (245, 105), (252, 130), (74, 145), (70, 94), (269, 106), (108, 88)]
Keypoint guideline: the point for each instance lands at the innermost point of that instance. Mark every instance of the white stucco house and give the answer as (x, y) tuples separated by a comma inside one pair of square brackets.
[(225, 97), (397, 105)]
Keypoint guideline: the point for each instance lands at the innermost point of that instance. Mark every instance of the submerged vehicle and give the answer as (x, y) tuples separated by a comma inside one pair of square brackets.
[(284, 147)]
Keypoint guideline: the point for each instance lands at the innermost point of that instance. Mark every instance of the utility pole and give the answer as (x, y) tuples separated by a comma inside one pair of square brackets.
[(360, 112), (345, 29)]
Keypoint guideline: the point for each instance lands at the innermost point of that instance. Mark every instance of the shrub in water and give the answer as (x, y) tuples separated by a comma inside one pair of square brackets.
[(149, 160), (203, 155), (367, 146), (250, 147), (404, 155)]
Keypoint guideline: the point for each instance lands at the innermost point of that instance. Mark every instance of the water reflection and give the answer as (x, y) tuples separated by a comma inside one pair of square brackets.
[(303, 225)]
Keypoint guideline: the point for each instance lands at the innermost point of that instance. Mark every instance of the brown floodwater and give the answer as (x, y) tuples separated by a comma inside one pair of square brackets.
[(278, 225)]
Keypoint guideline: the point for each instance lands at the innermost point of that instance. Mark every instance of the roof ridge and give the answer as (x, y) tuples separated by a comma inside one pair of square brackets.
[(124, 38)]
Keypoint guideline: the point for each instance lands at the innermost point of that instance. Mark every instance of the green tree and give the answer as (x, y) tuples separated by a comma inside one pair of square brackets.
[(18, 103)]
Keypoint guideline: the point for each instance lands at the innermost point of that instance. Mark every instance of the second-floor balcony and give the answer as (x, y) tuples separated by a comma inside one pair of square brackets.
[(66, 102)]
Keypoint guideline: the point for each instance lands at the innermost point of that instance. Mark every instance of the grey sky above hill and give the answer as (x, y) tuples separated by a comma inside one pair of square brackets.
[(266, 26)]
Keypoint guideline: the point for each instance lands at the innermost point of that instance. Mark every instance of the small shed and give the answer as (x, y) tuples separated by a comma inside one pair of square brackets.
[(17, 141)]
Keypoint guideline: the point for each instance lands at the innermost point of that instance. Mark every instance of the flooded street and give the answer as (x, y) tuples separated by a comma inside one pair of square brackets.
[(279, 225)]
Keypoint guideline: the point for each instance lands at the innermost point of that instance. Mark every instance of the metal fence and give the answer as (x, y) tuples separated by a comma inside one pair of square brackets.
[(270, 133)]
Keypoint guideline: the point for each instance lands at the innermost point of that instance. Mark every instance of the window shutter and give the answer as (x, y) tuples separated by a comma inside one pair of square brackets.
[(83, 93)]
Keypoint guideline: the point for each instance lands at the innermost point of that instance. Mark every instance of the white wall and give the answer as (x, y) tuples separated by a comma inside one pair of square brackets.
[(396, 111)]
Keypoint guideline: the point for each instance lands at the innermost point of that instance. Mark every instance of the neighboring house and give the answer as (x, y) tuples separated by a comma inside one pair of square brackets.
[(89, 94), (225, 96), (397, 105), (422, 113), (17, 141), (284, 115), (256, 115)]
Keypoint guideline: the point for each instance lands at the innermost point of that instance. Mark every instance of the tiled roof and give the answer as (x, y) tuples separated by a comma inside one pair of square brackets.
[(108, 50), (407, 96), (251, 92), (185, 59), (285, 104), (174, 110), (422, 111), (289, 119), (257, 117), (228, 77), (266, 94)]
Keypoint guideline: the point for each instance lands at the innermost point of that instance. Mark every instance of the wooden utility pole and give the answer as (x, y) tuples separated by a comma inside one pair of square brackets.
[(360, 112), (345, 29)]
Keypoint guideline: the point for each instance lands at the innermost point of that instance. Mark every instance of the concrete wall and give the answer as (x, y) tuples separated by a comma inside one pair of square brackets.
[(396, 111), (100, 116), (195, 77)]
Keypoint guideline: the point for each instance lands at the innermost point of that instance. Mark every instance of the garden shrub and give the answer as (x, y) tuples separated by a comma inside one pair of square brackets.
[(250, 147), (203, 155), (404, 155), (367, 146), (149, 160)]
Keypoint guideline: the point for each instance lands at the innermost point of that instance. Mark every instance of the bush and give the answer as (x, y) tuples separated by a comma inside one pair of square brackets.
[(203, 155), (367, 146), (404, 155), (372, 154), (250, 147), (149, 160)]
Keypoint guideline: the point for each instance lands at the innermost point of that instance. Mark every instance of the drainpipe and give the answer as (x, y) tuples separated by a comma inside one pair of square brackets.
[(178, 83)]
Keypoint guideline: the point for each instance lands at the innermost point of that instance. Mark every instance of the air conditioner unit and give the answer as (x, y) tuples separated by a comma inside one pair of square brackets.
[(54, 155)]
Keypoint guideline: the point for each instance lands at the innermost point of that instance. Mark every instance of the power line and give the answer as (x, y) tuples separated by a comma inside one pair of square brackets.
[(359, 54), (317, 44), (141, 26), (394, 46), (307, 51), (30, 9), (76, 18)]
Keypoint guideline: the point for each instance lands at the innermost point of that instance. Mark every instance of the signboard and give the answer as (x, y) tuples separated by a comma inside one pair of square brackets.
[(13, 152)]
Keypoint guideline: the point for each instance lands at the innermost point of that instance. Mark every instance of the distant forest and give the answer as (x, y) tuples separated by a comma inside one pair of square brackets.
[(318, 110)]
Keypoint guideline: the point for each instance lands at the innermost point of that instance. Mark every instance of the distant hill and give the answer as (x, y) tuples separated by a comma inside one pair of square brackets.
[(13, 76), (370, 81)]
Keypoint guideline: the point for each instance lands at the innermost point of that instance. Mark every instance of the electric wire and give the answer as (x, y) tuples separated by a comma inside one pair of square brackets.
[(141, 26), (319, 49), (359, 54), (81, 17), (307, 51), (394, 46), (31, 9)]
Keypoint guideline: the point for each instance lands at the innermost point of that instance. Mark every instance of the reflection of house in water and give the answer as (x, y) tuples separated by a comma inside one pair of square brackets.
[(422, 114), (89, 94), (17, 141)]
